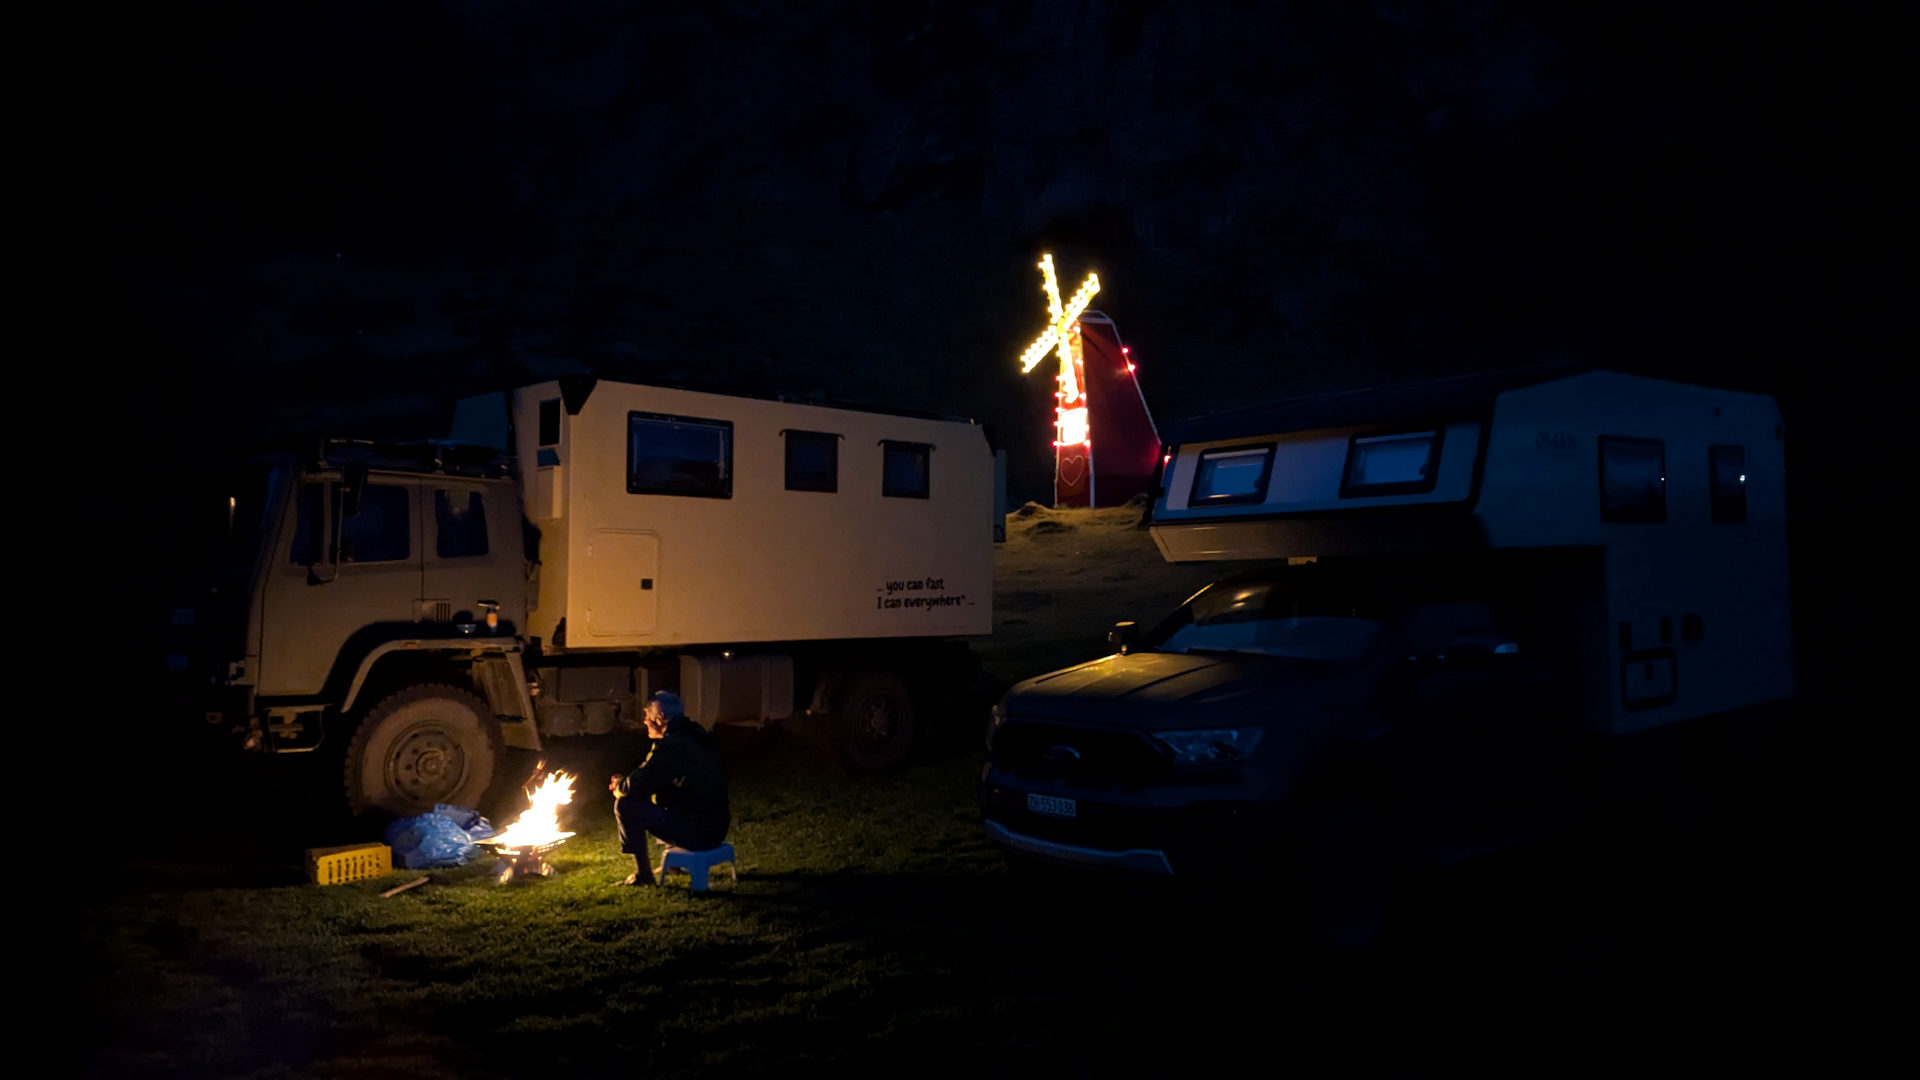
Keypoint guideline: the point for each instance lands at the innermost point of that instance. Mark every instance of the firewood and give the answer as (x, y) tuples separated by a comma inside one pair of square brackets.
[(422, 880)]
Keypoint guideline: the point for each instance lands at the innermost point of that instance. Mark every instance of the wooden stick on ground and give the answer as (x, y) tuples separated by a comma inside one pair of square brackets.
[(403, 888)]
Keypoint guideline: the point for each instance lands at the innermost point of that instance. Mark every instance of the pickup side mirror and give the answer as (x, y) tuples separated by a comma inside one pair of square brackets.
[(1122, 636)]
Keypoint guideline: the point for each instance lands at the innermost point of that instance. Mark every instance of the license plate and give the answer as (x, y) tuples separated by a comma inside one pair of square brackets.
[(1051, 806)]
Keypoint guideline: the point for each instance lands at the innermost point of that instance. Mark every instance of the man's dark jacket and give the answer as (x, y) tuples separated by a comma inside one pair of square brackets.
[(683, 773)]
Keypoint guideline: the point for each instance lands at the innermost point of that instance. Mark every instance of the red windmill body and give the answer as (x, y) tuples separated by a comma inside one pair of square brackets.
[(1105, 445)]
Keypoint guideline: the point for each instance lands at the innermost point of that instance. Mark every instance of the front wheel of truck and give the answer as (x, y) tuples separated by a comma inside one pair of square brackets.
[(425, 744)]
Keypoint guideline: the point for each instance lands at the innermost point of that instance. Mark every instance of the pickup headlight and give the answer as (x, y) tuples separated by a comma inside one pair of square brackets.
[(1209, 747)]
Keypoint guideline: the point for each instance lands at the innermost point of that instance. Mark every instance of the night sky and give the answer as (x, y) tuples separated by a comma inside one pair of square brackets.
[(342, 214)]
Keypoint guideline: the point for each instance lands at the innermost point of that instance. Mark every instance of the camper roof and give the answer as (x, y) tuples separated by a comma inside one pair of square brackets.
[(1403, 403)]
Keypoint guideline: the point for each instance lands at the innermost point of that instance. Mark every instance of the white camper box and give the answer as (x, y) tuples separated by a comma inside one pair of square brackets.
[(1673, 497), (734, 533)]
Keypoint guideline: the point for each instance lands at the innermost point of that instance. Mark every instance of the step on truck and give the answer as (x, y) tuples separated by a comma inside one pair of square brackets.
[(1490, 607), (571, 548)]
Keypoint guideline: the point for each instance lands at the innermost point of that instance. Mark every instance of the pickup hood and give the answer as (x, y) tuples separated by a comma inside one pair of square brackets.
[(1177, 690)]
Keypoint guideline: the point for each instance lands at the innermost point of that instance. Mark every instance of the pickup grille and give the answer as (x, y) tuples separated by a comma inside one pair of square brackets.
[(1086, 757)]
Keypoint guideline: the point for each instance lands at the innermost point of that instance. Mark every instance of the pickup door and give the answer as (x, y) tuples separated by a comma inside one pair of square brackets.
[(1480, 744)]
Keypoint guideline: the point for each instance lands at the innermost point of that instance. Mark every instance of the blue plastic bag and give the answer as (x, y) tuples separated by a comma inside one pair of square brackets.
[(476, 826), (442, 838)]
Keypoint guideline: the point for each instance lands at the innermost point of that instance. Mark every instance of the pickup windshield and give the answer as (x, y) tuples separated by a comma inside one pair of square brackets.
[(1265, 619)]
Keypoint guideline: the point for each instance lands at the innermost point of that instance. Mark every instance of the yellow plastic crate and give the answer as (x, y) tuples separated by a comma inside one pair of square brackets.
[(353, 862)]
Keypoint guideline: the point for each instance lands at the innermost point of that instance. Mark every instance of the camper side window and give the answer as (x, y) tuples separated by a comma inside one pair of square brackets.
[(1633, 480), (906, 470), (1406, 463), (550, 422), (678, 455), (1727, 469), (1231, 475), (813, 461)]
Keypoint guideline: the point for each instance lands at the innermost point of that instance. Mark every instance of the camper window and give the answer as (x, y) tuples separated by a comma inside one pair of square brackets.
[(905, 473), (1230, 475), (459, 525), (1405, 463), (813, 461), (1633, 480), (550, 422), (1727, 468), (678, 455)]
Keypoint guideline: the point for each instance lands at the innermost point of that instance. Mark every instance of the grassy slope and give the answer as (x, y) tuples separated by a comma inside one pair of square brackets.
[(873, 927)]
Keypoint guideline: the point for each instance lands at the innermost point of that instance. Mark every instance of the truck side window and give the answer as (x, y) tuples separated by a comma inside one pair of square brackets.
[(1727, 472), (813, 461), (460, 525), (380, 531), (905, 470), (310, 526), (677, 455), (1633, 480)]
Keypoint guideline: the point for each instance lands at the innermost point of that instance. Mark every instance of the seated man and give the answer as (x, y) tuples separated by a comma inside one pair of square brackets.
[(678, 794)]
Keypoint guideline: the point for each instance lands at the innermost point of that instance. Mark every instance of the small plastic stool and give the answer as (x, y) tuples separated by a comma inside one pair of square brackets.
[(697, 863)]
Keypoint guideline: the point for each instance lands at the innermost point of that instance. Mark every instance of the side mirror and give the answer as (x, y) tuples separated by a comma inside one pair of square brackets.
[(1122, 636), (352, 488)]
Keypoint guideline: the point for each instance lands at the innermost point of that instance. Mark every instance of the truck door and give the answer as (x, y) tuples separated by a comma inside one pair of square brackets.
[(322, 592), (474, 552)]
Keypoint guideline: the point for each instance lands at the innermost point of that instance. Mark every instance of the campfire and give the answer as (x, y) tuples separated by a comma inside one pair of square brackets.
[(524, 844)]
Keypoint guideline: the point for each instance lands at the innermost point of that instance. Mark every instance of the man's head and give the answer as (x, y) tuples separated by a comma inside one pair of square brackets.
[(663, 706)]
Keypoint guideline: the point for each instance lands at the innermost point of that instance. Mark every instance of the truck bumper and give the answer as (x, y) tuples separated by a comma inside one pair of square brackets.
[(1180, 833), (1135, 860)]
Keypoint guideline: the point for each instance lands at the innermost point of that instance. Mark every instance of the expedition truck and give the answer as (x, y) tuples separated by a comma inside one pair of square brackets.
[(575, 546), (1494, 605)]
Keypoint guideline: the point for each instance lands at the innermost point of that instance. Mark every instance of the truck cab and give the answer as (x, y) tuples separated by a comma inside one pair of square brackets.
[(357, 574)]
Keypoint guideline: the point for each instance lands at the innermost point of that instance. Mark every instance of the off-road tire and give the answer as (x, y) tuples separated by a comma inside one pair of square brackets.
[(425, 744), (872, 725)]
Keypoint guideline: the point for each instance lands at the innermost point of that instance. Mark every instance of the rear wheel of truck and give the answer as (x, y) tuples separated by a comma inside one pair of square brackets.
[(426, 744), (873, 722)]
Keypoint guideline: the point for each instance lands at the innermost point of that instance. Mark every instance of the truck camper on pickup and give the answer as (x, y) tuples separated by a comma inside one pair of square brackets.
[(1487, 599)]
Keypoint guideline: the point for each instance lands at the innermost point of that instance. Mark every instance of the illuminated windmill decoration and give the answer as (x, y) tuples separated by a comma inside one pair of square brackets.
[(1093, 367)]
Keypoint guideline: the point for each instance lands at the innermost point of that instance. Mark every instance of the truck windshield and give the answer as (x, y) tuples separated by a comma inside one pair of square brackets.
[(1263, 618), (238, 513)]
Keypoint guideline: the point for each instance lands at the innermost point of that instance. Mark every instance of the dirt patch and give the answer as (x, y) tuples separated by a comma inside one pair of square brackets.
[(1067, 596)]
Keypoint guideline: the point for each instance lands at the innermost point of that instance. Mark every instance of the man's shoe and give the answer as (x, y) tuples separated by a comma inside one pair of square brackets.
[(642, 873)]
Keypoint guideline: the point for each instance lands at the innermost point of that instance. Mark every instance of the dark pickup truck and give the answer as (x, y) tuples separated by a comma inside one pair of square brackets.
[(1323, 727)]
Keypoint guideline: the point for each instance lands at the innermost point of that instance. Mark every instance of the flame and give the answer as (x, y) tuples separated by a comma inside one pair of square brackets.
[(541, 823)]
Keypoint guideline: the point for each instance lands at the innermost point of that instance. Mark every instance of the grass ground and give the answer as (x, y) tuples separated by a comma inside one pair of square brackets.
[(873, 928)]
